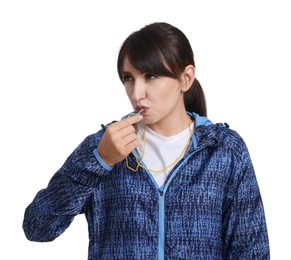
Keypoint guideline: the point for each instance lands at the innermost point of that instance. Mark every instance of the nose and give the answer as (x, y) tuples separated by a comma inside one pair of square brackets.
[(139, 91)]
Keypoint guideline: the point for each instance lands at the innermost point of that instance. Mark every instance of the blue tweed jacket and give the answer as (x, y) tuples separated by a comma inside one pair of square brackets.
[(209, 208)]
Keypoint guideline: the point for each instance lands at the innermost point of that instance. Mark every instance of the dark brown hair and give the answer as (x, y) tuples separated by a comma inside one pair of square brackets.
[(163, 50)]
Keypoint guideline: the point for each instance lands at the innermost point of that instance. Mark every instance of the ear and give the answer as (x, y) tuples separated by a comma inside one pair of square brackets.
[(187, 77)]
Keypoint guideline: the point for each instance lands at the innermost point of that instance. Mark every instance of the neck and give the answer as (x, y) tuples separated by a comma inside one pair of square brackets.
[(173, 124)]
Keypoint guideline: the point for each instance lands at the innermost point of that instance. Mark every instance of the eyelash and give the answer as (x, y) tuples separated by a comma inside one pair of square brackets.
[(148, 76), (126, 78)]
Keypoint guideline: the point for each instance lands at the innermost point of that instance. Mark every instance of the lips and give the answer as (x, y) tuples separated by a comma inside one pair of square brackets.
[(143, 108)]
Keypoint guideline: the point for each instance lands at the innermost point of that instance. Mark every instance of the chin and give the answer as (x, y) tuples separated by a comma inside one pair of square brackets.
[(149, 121)]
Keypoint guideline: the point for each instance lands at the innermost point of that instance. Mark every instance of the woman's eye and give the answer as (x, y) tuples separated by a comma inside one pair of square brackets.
[(126, 78), (150, 76)]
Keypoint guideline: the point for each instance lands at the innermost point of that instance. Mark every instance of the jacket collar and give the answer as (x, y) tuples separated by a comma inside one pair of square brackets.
[(206, 133)]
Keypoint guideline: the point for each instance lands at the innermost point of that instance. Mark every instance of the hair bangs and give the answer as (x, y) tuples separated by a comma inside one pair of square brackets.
[(150, 59)]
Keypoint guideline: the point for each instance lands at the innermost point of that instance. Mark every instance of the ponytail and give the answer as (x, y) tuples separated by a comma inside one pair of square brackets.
[(194, 99)]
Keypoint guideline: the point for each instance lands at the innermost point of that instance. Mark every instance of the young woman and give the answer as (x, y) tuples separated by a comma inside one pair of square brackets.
[(165, 182)]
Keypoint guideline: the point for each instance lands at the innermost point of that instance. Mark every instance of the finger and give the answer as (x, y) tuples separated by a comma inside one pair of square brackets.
[(128, 121), (128, 139), (132, 145), (126, 131)]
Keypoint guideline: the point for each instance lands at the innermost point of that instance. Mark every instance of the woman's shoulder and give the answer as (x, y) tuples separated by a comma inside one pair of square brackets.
[(232, 143), (228, 136)]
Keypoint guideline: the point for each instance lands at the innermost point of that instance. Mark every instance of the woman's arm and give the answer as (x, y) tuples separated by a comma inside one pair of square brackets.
[(54, 208), (245, 230)]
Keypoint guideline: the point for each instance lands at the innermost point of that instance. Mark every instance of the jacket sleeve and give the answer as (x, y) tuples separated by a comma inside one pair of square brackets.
[(54, 208), (245, 231)]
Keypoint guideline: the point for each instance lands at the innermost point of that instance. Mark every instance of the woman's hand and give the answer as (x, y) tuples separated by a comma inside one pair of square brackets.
[(119, 140)]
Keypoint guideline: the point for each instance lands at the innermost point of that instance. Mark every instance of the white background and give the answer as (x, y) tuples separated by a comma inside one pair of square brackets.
[(59, 82)]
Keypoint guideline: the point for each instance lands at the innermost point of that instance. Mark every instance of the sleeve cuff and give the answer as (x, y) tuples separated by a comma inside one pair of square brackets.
[(99, 159)]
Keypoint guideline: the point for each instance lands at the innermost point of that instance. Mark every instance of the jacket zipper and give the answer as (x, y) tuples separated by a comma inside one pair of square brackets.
[(161, 249), (161, 192)]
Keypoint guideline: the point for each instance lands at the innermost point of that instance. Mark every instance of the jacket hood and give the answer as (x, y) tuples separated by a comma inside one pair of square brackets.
[(206, 132)]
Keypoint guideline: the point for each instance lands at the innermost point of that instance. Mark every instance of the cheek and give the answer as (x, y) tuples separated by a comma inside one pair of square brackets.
[(170, 93), (129, 93), (165, 100)]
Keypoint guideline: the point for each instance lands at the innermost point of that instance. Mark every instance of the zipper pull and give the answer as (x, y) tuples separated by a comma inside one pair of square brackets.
[(161, 190)]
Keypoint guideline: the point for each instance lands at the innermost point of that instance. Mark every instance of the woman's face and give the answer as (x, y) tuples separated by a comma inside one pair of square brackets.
[(161, 98)]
